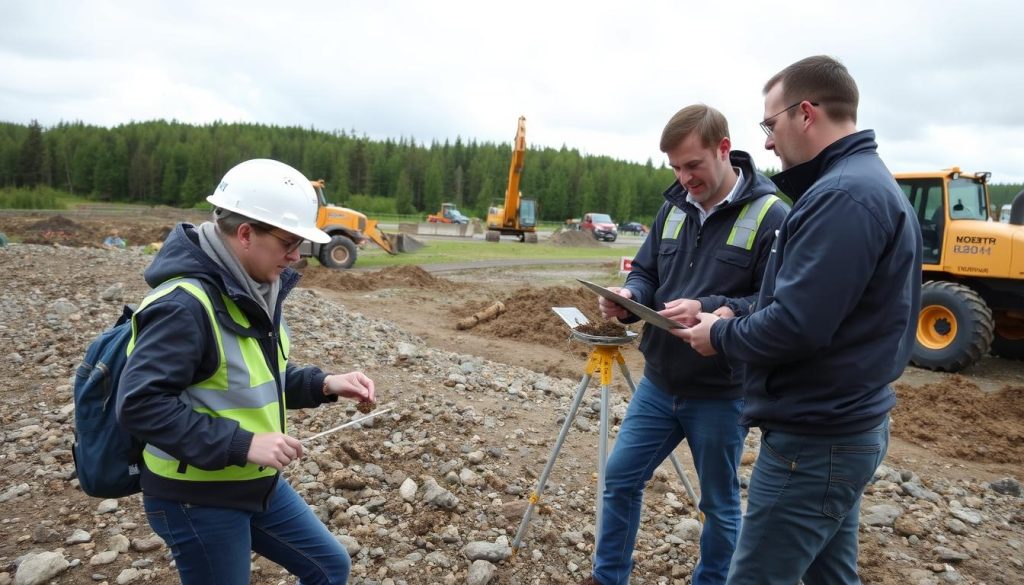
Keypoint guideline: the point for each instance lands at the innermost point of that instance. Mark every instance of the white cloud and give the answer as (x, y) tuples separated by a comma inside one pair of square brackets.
[(940, 87)]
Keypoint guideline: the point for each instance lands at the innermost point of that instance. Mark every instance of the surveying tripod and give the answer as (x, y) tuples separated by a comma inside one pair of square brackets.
[(603, 355)]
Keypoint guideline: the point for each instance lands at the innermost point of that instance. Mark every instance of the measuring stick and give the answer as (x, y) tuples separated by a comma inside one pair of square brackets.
[(348, 424)]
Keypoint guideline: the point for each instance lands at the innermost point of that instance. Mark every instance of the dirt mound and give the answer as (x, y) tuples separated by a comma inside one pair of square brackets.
[(54, 223), (59, 229), (528, 316), (574, 239), (957, 419), (390, 277)]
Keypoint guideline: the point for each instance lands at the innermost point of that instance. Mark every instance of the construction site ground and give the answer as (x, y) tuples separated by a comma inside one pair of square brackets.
[(955, 433)]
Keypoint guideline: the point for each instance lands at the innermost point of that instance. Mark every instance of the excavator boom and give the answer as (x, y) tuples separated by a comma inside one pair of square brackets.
[(515, 171)]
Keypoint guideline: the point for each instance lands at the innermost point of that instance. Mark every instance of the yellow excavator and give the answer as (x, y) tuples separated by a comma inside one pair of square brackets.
[(518, 216), (349, 229), (972, 299)]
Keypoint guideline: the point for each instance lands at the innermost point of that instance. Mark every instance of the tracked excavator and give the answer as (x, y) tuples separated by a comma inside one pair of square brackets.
[(972, 299), (518, 216), (349, 229)]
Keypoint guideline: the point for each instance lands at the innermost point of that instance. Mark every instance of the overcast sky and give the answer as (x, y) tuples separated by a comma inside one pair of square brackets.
[(941, 84)]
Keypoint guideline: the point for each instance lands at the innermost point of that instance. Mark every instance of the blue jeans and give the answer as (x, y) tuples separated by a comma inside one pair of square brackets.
[(655, 424), (211, 546), (803, 508)]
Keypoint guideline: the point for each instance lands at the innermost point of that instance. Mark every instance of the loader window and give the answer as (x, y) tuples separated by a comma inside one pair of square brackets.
[(925, 196), (967, 200)]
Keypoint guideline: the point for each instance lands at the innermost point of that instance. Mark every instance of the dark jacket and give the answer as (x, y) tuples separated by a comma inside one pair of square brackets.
[(699, 264), (837, 314), (175, 347)]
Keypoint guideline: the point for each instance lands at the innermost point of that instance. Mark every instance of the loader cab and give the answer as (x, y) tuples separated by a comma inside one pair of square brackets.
[(967, 200)]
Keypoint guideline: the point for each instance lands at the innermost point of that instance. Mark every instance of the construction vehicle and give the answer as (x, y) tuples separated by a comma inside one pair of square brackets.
[(349, 230), (448, 214), (972, 299), (518, 216)]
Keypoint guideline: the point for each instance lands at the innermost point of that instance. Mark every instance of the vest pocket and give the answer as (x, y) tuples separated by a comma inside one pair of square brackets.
[(740, 258)]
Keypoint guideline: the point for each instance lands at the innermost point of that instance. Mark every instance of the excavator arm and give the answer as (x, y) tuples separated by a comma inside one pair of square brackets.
[(515, 171)]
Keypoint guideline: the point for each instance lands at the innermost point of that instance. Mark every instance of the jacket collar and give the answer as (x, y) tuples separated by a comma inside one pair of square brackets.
[(750, 188), (795, 181)]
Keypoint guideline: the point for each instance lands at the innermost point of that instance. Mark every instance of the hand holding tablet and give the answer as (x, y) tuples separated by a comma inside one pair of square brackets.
[(646, 313)]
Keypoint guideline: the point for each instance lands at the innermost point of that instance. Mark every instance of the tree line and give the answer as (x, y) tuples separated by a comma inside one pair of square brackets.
[(176, 164)]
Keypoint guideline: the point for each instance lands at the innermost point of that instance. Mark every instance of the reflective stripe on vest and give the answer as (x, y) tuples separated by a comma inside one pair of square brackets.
[(673, 223), (242, 388), (743, 229)]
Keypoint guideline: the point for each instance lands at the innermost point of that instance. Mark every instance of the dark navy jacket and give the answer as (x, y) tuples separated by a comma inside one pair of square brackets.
[(837, 313), (175, 347), (701, 265)]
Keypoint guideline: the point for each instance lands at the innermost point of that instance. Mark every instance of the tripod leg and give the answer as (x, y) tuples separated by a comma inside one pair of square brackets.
[(602, 461), (672, 456), (535, 496)]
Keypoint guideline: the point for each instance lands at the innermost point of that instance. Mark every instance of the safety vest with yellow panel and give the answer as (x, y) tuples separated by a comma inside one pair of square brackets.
[(744, 229), (243, 388)]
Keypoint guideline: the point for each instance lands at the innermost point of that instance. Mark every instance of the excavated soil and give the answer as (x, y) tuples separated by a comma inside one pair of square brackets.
[(412, 277), (574, 239), (59, 229), (956, 419), (528, 316)]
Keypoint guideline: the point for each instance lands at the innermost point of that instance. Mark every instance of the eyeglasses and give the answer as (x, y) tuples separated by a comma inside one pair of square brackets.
[(764, 123), (289, 244)]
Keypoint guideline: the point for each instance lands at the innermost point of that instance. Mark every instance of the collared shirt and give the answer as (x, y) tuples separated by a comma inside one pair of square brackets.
[(728, 198)]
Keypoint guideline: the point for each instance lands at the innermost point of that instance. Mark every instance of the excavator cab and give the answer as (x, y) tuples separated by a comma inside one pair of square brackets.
[(527, 213)]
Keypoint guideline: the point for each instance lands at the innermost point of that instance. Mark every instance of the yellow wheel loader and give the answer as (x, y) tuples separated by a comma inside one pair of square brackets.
[(349, 229), (972, 299)]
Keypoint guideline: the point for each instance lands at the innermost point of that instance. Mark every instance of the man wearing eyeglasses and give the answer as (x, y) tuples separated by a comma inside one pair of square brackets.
[(834, 326), (208, 379)]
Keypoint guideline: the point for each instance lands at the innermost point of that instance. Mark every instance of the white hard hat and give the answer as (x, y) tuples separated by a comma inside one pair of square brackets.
[(273, 193)]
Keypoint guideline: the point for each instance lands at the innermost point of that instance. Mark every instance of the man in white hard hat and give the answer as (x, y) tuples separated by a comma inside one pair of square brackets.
[(207, 381)]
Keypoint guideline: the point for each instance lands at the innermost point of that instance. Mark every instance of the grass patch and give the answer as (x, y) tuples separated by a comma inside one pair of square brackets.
[(451, 252), (40, 197)]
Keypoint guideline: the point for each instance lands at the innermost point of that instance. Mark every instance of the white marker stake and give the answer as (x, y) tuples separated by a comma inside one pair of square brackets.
[(339, 427)]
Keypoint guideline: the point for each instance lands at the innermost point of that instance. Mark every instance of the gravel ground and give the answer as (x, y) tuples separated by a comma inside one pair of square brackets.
[(433, 491)]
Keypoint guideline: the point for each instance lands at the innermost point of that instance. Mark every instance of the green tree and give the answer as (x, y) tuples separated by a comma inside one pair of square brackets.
[(31, 167), (403, 195), (433, 187)]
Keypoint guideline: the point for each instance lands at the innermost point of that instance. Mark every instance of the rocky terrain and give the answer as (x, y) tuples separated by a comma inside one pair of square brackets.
[(433, 491)]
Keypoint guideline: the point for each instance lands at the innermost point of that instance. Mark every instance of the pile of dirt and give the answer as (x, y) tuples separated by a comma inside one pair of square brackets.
[(390, 277), (528, 316), (574, 239), (58, 229), (957, 419)]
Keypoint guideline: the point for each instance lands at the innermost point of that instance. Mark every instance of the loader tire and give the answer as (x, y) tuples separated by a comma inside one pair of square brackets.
[(492, 236), (339, 253), (954, 329)]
